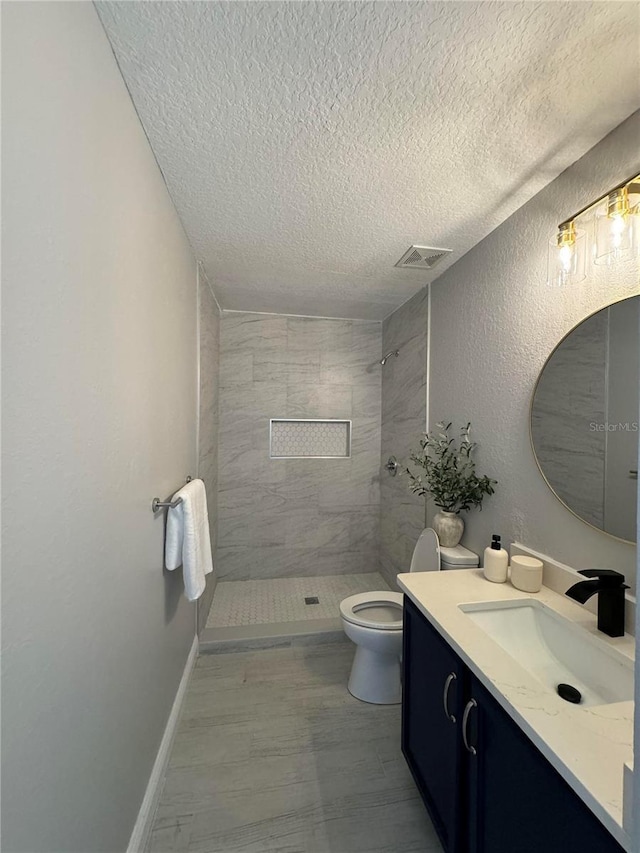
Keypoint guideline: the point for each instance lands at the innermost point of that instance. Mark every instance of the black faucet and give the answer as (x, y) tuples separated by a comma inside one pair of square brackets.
[(610, 587)]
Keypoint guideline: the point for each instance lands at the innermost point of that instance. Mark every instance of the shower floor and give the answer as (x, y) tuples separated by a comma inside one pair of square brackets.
[(257, 614), (283, 599)]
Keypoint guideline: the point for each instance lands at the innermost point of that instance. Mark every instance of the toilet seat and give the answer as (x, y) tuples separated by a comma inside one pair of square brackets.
[(380, 610)]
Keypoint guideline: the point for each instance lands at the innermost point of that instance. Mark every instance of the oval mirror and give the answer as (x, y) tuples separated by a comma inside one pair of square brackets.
[(584, 419)]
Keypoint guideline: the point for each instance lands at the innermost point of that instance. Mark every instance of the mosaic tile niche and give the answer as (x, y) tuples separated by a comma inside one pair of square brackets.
[(295, 439)]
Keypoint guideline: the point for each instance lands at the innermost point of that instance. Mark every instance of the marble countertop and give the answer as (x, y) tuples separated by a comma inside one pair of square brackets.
[(587, 746)]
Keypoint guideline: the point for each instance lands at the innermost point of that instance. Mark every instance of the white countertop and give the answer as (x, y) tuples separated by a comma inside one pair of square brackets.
[(587, 746)]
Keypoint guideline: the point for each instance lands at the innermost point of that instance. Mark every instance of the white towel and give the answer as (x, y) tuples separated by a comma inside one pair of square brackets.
[(188, 543)]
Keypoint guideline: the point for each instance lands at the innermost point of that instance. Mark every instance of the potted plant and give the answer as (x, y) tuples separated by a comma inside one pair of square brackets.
[(450, 478)]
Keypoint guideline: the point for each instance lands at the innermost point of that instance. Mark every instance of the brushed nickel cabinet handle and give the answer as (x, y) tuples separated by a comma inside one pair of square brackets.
[(445, 696), (465, 719)]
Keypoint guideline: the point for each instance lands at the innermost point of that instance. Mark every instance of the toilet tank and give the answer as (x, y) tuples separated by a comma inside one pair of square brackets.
[(458, 558)]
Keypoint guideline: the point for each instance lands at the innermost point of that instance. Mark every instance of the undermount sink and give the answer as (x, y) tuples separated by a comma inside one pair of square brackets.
[(555, 651)]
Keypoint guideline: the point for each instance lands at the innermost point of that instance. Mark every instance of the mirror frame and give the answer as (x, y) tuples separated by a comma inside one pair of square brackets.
[(531, 401)]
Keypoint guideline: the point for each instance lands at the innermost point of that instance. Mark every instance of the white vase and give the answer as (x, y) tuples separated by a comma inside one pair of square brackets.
[(449, 528)]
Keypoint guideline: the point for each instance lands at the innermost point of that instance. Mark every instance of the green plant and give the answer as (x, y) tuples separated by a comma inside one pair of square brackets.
[(449, 471)]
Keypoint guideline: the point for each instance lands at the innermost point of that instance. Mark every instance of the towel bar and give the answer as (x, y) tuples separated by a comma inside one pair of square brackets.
[(157, 504)]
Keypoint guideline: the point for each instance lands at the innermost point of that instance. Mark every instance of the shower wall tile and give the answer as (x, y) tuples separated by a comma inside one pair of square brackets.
[(256, 332), (308, 334), (297, 489), (297, 517), (278, 366), (312, 528), (240, 500), (236, 367), (251, 466), (306, 400), (404, 404), (363, 403), (209, 345), (267, 527), (349, 368), (235, 562), (252, 399), (363, 528), (366, 340), (359, 487), (365, 435), (305, 478)]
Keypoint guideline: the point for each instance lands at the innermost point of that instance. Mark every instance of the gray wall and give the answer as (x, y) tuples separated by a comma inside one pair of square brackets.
[(404, 405), (296, 517), (209, 346), (494, 322), (99, 383)]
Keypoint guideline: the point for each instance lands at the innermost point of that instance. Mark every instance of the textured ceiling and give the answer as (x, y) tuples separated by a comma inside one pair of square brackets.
[(307, 145)]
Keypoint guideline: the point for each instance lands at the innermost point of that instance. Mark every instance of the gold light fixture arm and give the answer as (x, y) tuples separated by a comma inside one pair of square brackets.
[(631, 185), (566, 235)]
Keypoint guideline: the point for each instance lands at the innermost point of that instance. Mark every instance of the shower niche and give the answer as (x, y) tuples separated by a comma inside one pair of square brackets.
[(312, 438)]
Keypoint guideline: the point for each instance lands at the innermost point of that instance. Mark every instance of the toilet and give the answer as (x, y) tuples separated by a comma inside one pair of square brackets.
[(373, 621)]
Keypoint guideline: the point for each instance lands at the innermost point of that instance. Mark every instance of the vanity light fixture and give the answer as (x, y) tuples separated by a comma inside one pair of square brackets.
[(610, 227)]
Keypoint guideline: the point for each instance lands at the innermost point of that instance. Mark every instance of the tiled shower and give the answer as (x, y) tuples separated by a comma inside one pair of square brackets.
[(296, 535)]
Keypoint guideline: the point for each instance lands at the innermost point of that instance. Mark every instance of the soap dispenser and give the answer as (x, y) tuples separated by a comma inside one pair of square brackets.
[(496, 561)]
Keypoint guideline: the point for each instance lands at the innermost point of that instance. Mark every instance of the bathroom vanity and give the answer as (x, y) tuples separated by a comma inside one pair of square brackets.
[(503, 763)]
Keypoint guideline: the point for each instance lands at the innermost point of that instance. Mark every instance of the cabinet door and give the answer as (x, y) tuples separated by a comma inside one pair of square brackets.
[(517, 800), (433, 691)]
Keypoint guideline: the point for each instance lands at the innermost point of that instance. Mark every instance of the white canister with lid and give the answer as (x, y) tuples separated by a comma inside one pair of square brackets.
[(526, 573)]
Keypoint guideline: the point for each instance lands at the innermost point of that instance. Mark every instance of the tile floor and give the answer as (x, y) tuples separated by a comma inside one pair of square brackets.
[(273, 754), (282, 599)]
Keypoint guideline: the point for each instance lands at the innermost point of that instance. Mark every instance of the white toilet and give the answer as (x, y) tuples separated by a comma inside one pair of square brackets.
[(373, 620)]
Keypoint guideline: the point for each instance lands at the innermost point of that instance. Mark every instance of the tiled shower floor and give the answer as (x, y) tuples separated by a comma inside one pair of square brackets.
[(282, 600)]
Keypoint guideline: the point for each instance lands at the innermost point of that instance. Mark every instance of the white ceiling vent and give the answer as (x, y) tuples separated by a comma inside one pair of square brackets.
[(422, 257)]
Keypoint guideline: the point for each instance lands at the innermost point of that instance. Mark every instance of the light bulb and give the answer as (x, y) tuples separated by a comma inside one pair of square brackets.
[(613, 232), (618, 225), (565, 255)]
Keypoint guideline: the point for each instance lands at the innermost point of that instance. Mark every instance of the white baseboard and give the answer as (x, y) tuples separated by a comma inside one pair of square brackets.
[(142, 828)]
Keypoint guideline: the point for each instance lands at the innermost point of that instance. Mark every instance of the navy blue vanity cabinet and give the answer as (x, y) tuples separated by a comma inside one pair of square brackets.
[(433, 689), (517, 800), (486, 786)]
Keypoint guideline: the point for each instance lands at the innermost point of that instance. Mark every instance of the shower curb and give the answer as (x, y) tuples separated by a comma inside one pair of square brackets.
[(241, 638)]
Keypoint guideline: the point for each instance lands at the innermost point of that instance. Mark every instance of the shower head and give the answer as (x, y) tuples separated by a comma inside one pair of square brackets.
[(385, 358)]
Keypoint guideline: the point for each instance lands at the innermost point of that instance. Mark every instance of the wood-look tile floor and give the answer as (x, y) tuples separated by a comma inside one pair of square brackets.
[(273, 754)]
